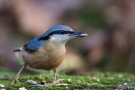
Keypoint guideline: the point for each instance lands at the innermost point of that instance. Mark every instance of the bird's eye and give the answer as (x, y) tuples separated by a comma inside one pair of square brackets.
[(66, 32), (62, 32)]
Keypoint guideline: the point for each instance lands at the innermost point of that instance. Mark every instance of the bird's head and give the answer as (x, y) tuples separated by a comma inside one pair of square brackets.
[(61, 33)]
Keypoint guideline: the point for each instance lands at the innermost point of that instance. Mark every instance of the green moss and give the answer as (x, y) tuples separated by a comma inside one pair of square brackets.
[(89, 81)]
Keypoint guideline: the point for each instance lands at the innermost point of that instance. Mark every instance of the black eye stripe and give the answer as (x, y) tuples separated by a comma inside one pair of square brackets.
[(61, 32), (44, 38), (55, 32)]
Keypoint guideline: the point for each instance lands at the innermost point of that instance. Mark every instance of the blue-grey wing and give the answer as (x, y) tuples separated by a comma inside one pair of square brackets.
[(33, 45)]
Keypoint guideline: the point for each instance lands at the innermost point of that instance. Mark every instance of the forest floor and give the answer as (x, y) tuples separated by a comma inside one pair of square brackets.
[(100, 81)]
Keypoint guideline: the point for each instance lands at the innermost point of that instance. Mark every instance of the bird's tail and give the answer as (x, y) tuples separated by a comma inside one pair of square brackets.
[(18, 50)]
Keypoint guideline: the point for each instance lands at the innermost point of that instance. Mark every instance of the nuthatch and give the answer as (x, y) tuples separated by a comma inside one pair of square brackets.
[(48, 50)]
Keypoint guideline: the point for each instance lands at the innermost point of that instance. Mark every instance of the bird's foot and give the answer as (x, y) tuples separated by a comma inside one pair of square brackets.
[(59, 82), (15, 79), (53, 82)]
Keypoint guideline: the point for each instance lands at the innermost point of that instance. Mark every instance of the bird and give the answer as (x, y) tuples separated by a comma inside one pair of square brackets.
[(47, 51)]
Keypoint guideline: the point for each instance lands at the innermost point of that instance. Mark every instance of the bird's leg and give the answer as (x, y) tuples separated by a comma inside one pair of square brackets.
[(55, 74), (15, 79)]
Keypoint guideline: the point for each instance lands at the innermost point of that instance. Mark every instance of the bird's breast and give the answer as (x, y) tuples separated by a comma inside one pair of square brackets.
[(46, 57)]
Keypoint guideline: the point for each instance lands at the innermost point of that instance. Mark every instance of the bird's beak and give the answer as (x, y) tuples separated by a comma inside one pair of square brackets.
[(79, 34)]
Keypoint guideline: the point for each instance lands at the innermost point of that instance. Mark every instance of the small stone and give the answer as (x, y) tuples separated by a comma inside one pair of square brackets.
[(119, 85), (62, 84), (1, 85), (38, 85), (31, 82), (125, 84), (2, 89), (23, 88)]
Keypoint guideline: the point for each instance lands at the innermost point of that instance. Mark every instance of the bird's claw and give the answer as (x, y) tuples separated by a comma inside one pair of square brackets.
[(54, 82), (15, 79)]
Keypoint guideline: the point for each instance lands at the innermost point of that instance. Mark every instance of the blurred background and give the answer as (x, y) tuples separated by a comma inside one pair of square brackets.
[(110, 24)]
